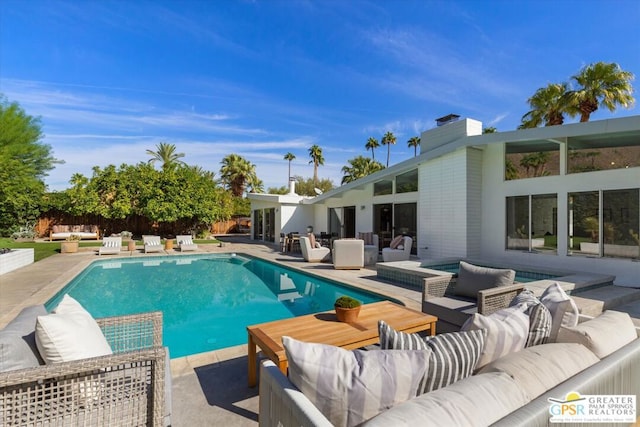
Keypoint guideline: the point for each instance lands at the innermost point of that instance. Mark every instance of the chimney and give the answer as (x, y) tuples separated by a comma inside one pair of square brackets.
[(447, 119), (292, 186)]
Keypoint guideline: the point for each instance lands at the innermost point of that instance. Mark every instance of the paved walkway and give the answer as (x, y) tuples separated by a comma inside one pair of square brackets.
[(209, 389)]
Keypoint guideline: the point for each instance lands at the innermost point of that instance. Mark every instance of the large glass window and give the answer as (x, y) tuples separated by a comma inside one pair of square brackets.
[(594, 155), (531, 160), (532, 223), (383, 187), (621, 223), (611, 231), (407, 182), (257, 225), (405, 222)]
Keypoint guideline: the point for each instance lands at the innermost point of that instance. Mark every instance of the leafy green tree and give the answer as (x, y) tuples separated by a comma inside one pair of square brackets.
[(289, 157), (315, 153), (601, 85), (372, 144), (536, 161), (237, 173), (360, 167), (278, 190), (388, 139), (548, 106), (306, 187), (489, 129), (24, 162), (415, 143), (166, 154)]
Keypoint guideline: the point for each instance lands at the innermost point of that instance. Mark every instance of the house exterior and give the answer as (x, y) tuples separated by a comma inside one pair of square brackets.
[(559, 197)]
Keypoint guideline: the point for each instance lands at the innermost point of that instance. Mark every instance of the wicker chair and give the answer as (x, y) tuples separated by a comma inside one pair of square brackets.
[(439, 299), (126, 388)]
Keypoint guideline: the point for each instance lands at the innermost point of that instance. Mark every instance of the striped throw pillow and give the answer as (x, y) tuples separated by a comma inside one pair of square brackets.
[(453, 356), (367, 237), (350, 387), (539, 317), (186, 242), (507, 332), (396, 241)]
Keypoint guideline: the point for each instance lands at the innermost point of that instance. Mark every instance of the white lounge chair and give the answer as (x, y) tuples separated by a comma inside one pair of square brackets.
[(110, 246), (152, 244), (185, 243), (317, 254), (389, 254)]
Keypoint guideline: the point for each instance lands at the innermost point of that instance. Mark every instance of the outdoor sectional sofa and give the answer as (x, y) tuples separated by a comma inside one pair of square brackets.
[(131, 386), (58, 232), (601, 357)]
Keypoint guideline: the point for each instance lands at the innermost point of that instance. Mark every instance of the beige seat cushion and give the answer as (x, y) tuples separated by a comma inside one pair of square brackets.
[(602, 335), (539, 368), (478, 400)]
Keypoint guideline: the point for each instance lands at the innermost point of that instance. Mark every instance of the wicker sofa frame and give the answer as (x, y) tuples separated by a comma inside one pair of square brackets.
[(438, 291), (122, 389)]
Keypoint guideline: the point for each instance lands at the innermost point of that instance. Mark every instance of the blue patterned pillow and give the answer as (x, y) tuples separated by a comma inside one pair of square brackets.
[(453, 356)]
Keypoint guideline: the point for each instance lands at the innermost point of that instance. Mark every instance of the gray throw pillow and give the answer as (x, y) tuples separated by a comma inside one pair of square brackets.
[(472, 278), (540, 320), (453, 356), (17, 341), (349, 387)]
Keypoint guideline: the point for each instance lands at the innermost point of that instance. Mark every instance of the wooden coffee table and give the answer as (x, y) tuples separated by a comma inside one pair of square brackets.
[(324, 328)]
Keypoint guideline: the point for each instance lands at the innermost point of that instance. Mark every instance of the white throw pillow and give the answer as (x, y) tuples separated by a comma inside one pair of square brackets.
[(350, 387), (602, 335), (564, 311), (70, 333), (507, 332)]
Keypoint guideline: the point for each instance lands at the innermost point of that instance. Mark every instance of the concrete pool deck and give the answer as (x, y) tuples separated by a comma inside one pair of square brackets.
[(210, 389)]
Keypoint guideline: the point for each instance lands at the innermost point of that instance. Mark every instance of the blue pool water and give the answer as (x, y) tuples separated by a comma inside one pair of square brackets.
[(521, 276), (207, 301)]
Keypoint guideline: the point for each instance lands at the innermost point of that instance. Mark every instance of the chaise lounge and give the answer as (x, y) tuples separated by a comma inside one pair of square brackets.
[(152, 244), (185, 243), (110, 246)]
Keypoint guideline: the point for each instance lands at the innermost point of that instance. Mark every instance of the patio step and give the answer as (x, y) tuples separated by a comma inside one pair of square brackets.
[(611, 297)]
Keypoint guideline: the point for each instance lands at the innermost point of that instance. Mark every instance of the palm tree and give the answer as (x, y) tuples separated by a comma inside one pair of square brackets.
[(315, 153), (602, 85), (415, 143), (388, 139), (166, 153), (236, 173), (548, 106), (489, 129), (360, 167), (372, 144), (289, 157)]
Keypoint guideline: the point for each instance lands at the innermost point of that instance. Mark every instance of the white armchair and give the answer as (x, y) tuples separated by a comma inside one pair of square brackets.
[(317, 254), (389, 254)]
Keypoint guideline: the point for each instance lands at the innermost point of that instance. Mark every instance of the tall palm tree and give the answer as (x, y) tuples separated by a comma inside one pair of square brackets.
[(548, 106), (372, 144), (388, 139), (315, 153), (360, 167), (289, 157), (415, 143), (166, 153), (236, 173), (602, 85)]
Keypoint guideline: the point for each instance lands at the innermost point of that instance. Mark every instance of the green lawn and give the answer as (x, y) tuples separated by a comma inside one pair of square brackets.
[(43, 250)]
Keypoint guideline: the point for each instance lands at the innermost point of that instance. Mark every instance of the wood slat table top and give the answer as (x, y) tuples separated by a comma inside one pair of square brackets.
[(324, 327)]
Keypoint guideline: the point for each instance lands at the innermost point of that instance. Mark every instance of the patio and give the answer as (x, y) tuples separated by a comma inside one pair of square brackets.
[(209, 388)]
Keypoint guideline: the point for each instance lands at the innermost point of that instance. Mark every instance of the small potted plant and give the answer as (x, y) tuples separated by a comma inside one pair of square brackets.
[(347, 309), (70, 245)]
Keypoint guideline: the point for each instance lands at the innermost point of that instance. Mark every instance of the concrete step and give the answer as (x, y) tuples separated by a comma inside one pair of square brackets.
[(595, 301)]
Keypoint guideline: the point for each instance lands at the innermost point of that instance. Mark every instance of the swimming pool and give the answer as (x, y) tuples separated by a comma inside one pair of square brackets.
[(522, 276), (207, 300)]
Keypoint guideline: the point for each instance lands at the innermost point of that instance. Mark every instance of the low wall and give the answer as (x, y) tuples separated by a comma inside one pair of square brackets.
[(15, 259)]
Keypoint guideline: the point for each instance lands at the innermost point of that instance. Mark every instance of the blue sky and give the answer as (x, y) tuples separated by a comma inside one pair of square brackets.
[(111, 79)]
